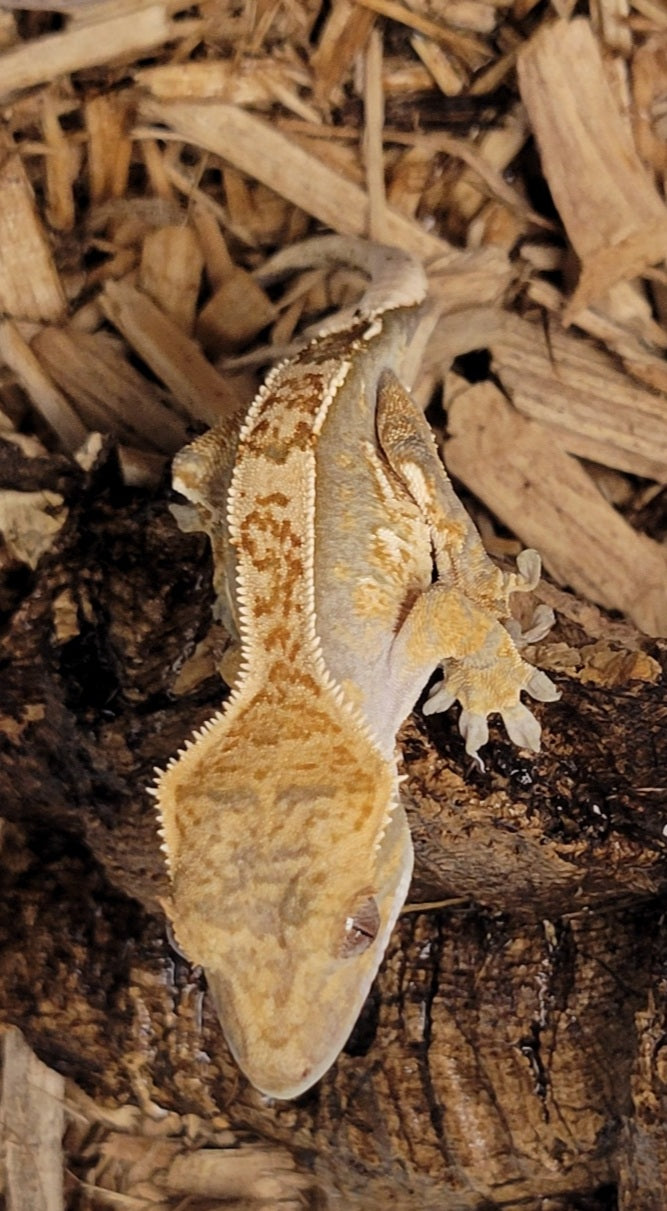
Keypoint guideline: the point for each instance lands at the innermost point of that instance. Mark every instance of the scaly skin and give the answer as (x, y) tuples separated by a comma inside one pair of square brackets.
[(288, 849)]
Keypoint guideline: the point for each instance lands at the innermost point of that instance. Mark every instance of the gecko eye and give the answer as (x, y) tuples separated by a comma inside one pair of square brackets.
[(361, 928)]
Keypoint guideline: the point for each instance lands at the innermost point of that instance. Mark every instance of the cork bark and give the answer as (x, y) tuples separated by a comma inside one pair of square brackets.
[(511, 1052)]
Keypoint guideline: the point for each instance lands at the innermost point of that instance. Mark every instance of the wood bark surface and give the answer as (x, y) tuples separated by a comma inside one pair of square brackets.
[(512, 1052)]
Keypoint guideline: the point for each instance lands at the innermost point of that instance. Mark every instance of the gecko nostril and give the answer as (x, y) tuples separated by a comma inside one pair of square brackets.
[(361, 927)]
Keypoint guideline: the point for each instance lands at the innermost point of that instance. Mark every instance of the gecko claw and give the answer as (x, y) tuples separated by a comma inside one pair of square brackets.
[(475, 731)]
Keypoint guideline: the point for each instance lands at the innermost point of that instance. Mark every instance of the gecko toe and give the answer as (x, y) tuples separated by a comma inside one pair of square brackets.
[(475, 731), (542, 687), (522, 727), (439, 699)]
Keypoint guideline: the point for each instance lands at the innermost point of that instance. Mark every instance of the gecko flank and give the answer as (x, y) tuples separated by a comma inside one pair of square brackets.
[(328, 512)]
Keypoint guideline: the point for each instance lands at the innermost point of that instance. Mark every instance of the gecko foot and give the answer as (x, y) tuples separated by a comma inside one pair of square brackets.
[(521, 725)]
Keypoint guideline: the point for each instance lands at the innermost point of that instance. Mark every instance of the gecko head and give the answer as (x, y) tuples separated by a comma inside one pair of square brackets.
[(285, 889), (290, 988)]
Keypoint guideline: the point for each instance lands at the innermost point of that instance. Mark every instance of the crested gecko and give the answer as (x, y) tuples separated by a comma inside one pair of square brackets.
[(347, 571)]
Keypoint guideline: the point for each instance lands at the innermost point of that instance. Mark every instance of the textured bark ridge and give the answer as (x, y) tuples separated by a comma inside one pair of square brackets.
[(511, 1053)]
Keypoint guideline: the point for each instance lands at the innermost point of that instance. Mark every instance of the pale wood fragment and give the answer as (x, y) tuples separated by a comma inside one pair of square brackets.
[(62, 6), (611, 20), (109, 394), (401, 78), (32, 1123), (615, 219), (546, 497), (170, 272), (29, 284), (258, 149), (45, 396), (566, 383), (495, 74), (154, 159), (29, 523), (235, 314), (257, 1174), (109, 147), (175, 358), (100, 42)]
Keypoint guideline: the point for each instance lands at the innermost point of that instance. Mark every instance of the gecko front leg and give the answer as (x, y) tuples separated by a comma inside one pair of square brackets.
[(456, 621), (202, 472)]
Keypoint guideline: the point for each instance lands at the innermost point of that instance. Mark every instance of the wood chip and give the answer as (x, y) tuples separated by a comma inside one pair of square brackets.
[(261, 151), (571, 387), (373, 141), (234, 315), (45, 396), (249, 82), (170, 272), (343, 37), (108, 393), (252, 1173), (614, 217), (61, 166), (54, 55), (29, 523), (30, 288), (219, 264), (176, 359), (546, 497), (109, 148), (449, 76), (472, 51), (32, 1119)]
